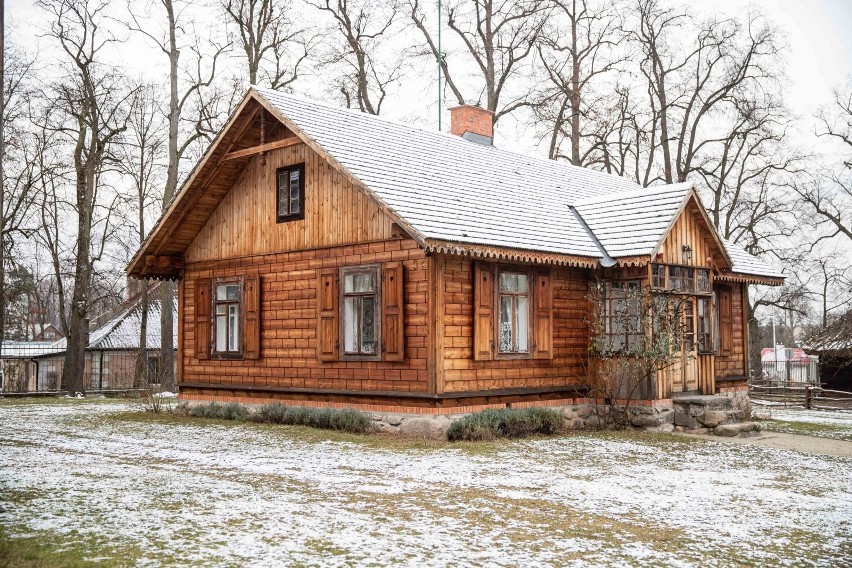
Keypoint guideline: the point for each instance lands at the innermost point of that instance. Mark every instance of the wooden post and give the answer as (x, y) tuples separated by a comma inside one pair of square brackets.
[(807, 397)]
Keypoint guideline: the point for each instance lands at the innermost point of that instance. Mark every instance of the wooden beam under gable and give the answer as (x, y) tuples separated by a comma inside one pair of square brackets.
[(246, 152)]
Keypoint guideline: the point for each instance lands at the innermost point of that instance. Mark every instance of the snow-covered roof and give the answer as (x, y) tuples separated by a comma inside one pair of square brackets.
[(449, 189), (449, 193), (122, 331), (31, 349), (632, 223), (834, 339), (745, 263)]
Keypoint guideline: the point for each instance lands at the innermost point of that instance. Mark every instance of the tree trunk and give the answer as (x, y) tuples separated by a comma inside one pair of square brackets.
[(167, 290)]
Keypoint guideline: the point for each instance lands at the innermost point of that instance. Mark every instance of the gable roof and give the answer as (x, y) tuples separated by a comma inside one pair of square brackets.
[(446, 192), (835, 339)]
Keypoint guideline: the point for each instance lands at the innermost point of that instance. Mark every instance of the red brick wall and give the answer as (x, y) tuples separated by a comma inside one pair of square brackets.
[(288, 335), (570, 336)]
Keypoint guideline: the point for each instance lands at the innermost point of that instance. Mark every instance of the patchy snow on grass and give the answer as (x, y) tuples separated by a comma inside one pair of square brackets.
[(206, 493), (825, 417)]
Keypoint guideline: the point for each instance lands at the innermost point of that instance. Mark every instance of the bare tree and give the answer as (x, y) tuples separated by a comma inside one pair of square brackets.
[(497, 38), (93, 102), (143, 153), (363, 26), (193, 114), (274, 46), (828, 194), (580, 44)]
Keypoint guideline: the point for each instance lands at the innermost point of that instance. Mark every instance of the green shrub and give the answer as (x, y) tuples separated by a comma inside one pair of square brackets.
[(228, 411), (506, 423), (345, 420)]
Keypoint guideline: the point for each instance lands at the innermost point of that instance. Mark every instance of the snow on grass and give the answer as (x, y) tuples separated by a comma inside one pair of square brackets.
[(824, 417), (198, 492)]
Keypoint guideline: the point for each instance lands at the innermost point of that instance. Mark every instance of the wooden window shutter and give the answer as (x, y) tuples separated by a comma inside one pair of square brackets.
[(251, 309), (202, 318), (327, 306), (393, 308), (483, 312), (543, 316), (726, 327)]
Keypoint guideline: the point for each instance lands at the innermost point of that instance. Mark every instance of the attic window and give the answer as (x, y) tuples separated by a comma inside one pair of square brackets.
[(290, 194)]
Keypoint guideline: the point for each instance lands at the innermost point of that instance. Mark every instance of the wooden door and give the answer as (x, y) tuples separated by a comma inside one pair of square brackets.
[(684, 371), (689, 360)]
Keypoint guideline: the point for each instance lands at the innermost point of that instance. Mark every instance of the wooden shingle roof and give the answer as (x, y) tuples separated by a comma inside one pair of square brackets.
[(448, 193)]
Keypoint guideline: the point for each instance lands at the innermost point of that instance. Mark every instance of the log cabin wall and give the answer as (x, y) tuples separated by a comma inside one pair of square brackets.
[(288, 360), (459, 372), (245, 224)]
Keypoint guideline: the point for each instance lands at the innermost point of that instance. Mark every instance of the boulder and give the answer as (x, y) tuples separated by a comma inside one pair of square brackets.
[(578, 424), (727, 430), (584, 411), (666, 428), (432, 428), (685, 419), (749, 427), (646, 420), (393, 419), (713, 418)]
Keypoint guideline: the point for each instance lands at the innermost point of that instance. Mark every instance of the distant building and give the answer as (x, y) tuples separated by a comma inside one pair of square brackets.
[(47, 332), (833, 344), (36, 366), (789, 365)]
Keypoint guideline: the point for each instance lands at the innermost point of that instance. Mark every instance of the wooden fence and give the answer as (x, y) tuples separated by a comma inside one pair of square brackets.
[(799, 395)]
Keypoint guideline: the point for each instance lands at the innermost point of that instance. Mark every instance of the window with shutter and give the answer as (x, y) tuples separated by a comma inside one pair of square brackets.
[(483, 324), (202, 318), (393, 307), (327, 315), (726, 331), (360, 312), (228, 317)]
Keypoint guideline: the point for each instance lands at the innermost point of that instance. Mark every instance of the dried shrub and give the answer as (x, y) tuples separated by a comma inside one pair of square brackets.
[(344, 420), (506, 423), (228, 411)]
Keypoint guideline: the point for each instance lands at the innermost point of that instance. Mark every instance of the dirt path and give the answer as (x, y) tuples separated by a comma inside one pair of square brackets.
[(794, 442)]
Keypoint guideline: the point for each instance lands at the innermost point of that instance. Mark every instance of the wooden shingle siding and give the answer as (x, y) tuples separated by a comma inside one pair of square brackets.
[(245, 223), (289, 323), (461, 373), (733, 362)]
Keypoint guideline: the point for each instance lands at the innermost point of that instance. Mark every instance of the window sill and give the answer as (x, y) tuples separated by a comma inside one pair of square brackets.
[(288, 218), (228, 356), (360, 357)]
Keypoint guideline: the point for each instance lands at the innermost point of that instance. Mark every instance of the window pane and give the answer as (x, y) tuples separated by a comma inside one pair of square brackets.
[(522, 317), (359, 283), (505, 324), (294, 191), (233, 328), (350, 324), (510, 282), (221, 330), (368, 325), (227, 292), (703, 281), (283, 198)]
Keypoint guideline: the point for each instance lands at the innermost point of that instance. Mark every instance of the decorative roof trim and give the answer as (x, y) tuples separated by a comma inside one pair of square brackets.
[(514, 255), (748, 278), (634, 261)]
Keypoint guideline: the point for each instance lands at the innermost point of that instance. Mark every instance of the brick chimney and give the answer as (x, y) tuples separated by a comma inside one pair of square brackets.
[(472, 123)]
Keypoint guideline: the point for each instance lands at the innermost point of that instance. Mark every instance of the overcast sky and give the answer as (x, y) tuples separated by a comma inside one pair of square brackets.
[(818, 32)]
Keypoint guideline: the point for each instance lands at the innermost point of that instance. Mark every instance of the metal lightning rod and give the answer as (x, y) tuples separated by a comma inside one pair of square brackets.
[(440, 65)]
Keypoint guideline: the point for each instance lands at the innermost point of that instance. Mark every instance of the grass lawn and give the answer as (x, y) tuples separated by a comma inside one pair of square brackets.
[(102, 483)]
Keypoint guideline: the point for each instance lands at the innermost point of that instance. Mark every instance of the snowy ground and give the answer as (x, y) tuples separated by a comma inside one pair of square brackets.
[(136, 490)]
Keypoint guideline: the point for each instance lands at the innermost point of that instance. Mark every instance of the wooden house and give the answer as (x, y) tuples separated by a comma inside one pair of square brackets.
[(110, 361), (325, 256)]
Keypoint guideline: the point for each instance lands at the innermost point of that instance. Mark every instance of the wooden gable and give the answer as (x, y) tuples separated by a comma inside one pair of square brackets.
[(691, 228), (244, 222)]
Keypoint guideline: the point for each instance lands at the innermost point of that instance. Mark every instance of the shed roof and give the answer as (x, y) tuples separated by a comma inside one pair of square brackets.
[(834, 339), (444, 189)]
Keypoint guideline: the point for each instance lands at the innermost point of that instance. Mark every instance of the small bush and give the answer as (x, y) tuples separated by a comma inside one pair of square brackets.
[(506, 423), (345, 420), (228, 411)]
